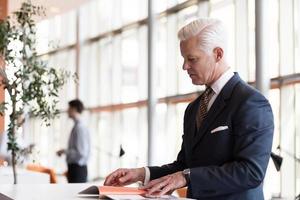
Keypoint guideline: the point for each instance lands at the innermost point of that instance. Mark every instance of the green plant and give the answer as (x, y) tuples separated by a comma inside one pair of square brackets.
[(32, 86)]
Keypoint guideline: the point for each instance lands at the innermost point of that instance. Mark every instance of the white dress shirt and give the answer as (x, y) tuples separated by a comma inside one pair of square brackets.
[(217, 86), (79, 144)]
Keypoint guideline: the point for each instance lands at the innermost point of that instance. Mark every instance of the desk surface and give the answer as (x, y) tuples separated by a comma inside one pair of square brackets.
[(45, 191)]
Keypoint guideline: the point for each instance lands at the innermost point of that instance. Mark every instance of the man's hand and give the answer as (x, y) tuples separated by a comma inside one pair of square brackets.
[(165, 185), (60, 152), (122, 177)]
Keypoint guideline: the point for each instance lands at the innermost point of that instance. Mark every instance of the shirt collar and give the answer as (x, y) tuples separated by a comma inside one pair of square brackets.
[(218, 85)]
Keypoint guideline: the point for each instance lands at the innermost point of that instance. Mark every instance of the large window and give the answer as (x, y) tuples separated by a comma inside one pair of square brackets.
[(112, 82)]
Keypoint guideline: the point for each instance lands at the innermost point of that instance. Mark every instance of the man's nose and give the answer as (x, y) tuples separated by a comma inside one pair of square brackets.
[(186, 66)]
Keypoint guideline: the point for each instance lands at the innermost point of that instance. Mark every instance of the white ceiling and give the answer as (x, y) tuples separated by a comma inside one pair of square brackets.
[(53, 7)]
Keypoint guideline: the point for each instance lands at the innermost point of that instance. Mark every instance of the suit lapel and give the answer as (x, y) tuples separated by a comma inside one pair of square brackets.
[(213, 112), (216, 108)]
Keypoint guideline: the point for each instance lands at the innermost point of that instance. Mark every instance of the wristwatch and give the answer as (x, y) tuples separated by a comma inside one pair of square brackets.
[(186, 173)]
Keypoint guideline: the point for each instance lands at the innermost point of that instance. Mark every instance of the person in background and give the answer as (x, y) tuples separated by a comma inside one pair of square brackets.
[(78, 151), (228, 129)]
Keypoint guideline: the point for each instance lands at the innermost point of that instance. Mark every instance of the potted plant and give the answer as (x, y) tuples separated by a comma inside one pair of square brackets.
[(31, 85)]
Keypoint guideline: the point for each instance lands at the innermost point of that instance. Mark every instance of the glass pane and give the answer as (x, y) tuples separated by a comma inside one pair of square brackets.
[(116, 70), (242, 39), (160, 6), (273, 57), (251, 36), (287, 139), (107, 145), (93, 19), (216, 1), (297, 35), (105, 8), (161, 52), (227, 15), (143, 63), (42, 37), (84, 11), (286, 37), (104, 78), (132, 10), (129, 137), (172, 67), (129, 60), (56, 32), (297, 137), (272, 178), (171, 3)]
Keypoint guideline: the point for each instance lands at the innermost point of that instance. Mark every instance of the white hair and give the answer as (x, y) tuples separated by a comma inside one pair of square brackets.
[(211, 34)]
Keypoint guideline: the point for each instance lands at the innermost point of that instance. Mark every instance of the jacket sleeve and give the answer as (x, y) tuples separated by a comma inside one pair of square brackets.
[(253, 128)]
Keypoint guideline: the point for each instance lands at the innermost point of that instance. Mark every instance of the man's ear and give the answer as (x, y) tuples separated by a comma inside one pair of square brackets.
[(218, 53)]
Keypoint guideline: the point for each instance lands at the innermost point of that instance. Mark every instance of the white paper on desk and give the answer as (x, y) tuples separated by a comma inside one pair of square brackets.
[(135, 197)]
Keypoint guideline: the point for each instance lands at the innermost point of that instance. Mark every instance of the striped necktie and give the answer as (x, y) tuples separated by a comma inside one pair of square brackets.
[(204, 100)]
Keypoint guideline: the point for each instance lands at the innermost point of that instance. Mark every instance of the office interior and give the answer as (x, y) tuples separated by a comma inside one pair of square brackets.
[(106, 43)]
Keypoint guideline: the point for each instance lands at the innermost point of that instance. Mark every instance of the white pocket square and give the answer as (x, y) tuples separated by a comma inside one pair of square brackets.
[(220, 128)]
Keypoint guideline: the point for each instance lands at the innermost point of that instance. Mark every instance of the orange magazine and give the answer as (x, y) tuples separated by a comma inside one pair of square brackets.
[(111, 190), (120, 190)]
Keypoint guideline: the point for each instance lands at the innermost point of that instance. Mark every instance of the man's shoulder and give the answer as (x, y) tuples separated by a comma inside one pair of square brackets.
[(192, 105), (245, 91), (81, 126), (244, 94)]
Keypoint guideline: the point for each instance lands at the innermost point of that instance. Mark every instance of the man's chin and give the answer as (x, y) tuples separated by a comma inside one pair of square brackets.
[(195, 82)]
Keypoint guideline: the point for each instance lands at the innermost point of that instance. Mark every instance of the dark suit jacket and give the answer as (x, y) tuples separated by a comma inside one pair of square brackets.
[(228, 164)]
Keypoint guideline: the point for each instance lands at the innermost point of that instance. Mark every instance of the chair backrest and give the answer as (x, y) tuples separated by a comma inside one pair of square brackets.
[(2, 162), (42, 169)]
